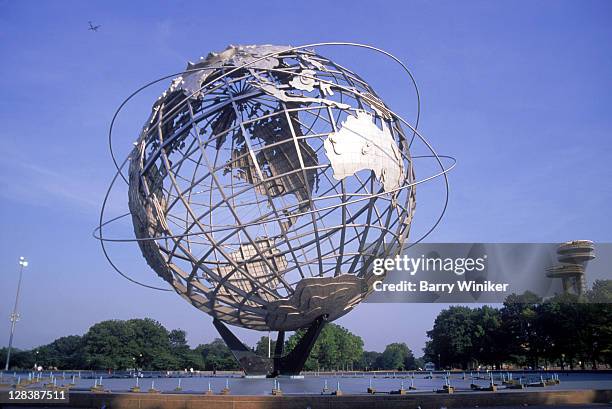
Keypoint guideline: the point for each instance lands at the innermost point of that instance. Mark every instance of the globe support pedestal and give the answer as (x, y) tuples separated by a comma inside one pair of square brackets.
[(290, 364)]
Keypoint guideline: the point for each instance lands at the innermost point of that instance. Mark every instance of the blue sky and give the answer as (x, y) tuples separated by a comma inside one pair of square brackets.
[(519, 92)]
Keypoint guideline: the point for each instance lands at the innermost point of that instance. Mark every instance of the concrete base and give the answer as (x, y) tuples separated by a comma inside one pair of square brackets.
[(424, 400)]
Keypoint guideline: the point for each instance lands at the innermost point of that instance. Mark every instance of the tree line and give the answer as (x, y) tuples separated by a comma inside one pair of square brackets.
[(145, 344), (565, 331)]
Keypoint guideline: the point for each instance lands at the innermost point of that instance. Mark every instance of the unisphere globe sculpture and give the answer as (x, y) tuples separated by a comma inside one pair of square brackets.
[(261, 187)]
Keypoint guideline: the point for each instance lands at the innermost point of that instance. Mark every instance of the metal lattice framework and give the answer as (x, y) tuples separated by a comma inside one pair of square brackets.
[(240, 196)]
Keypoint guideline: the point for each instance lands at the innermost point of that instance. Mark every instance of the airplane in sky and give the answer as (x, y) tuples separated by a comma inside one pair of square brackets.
[(93, 28)]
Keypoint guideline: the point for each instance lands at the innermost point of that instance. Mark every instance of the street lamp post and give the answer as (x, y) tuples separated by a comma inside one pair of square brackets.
[(15, 315)]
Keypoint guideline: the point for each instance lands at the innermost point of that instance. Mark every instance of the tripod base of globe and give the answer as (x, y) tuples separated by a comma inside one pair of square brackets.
[(290, 364)]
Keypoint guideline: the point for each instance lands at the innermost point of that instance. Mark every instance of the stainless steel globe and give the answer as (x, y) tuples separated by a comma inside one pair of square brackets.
[(264, 182)]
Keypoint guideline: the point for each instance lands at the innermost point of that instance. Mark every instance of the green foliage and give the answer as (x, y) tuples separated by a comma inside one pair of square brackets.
[(369, 360), (119, 345), (20, 359), (217, 356), (185, 356), (336, 348), (452, 337), (526, 331), (420, 362), (565, 330), (487, 342), (136, 343), (63, 353), (601, 292), (261, 348), (396, 356)]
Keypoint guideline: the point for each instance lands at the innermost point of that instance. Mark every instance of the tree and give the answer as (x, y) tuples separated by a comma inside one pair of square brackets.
[(396, 356), (336, 348), (486, 337), (598, 315), (178, 339), (142, 343), (185, 356), (20, 359), (369, 360), (519, 329), (452, 338), (261, 348), (565, 330), (217, 356), (420, 362), (556, 318), (63, 353), (106, 346), (601, 292)]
